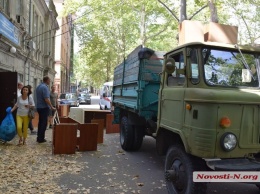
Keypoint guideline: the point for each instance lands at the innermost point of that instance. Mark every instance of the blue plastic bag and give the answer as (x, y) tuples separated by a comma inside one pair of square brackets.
[(7, 127)]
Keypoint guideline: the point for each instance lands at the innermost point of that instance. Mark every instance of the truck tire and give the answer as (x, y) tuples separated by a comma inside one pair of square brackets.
[(179, 167), (126, 134), (138, 137)]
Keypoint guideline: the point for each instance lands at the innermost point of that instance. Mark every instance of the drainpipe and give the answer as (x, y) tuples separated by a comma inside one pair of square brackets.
[(29, 65), (30, 5)]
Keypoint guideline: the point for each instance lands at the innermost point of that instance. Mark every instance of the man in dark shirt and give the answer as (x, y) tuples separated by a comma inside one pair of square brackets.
[(43, 105)]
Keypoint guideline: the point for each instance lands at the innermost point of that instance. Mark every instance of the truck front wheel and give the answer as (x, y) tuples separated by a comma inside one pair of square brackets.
[(179, 168), (126, 134)]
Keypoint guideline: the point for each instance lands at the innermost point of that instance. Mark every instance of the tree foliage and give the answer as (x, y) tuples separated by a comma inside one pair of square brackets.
[(109, 30), (245, 14)]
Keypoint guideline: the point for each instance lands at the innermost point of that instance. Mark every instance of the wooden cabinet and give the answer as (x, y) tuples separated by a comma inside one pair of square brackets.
[(64, 110), (110, 127), (65, 138), (87, 134), (88, 139)]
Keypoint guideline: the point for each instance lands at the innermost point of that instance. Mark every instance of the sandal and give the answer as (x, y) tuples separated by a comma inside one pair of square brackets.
[(20, 142), (24, 142)]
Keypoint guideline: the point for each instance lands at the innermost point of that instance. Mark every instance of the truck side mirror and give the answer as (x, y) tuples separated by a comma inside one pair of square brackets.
[(169, 65)]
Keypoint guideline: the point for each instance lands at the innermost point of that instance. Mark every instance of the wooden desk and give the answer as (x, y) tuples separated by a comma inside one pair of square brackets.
[(96, 114), (88, 138), (84, 115)]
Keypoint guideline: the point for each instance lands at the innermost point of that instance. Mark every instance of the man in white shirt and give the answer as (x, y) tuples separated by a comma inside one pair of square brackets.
[(19, 87)]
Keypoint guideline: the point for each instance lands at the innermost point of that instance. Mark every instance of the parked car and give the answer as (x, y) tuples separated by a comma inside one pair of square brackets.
[(84, 98), (69, 99)]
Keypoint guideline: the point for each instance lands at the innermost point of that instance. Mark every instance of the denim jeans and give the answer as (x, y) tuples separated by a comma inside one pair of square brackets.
[(42, 125)]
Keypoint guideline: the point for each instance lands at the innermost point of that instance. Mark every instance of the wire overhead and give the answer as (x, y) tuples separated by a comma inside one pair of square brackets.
[(72, 21)]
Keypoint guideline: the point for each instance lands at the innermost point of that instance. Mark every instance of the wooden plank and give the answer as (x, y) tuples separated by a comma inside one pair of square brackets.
[(67, 120), (101, 125)]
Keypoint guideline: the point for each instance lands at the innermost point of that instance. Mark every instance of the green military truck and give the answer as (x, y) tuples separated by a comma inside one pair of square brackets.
[(201, 101)]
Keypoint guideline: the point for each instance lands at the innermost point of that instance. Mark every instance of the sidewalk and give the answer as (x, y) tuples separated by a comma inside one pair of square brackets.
[(33, 169)]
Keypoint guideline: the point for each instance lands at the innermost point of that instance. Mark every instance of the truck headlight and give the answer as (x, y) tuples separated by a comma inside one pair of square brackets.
[(228, 141)]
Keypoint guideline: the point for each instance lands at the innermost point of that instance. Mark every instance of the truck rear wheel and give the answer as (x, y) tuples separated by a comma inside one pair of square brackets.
[(126, 134), (179, 167), (138, 137)]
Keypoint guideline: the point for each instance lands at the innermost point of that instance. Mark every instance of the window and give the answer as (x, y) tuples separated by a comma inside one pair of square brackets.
[(194, 66), (19, 7), (177, 78), (20, 77), (4, 4), (226, 68)]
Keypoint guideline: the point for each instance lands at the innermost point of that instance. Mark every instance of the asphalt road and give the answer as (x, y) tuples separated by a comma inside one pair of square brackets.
[(111, 170)]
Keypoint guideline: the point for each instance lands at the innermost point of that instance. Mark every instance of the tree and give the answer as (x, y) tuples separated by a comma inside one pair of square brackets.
[(245, 15), (183, 10), (109, 30)]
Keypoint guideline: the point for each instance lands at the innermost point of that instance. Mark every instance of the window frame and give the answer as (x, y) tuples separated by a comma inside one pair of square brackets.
[(173, 55)]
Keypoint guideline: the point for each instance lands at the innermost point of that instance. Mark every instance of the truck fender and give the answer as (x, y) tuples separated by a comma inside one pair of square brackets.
[(135, 119), (166, 138)]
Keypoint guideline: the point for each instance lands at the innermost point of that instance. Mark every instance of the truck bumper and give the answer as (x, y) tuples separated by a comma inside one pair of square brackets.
[(234, 165)]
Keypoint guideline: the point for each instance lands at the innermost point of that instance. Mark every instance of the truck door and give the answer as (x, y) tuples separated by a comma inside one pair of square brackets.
[(8, 88), (173, 94)]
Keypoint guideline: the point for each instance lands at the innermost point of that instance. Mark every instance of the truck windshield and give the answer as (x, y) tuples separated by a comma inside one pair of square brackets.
[(226, 68)]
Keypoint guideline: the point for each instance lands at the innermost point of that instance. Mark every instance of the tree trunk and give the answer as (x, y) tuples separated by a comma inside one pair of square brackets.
[(142, 26), (213, 11), (183, 11)]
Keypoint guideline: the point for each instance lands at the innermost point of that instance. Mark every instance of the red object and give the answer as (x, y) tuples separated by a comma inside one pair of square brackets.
[(225, 122), (110, 127)]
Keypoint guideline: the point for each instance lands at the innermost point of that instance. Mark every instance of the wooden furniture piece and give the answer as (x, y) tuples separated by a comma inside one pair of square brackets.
[(64, 110), (110, 127), (101, 125), (65, 138), (35, 121), (88, 134), (67, 120), (83, 115), (88, 139)]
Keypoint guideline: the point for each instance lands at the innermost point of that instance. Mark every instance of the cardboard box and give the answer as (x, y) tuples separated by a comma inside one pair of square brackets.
[(191, 31), (215, 32)]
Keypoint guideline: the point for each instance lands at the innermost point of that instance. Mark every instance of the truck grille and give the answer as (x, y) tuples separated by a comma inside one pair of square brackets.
[(250, 127)]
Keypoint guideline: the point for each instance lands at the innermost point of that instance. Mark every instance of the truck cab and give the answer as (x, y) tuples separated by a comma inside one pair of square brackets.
[(201, 103), (208, 112)]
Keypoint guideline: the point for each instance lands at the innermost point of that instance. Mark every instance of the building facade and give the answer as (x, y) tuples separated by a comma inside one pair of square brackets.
[(63, 53), (27, 39)]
